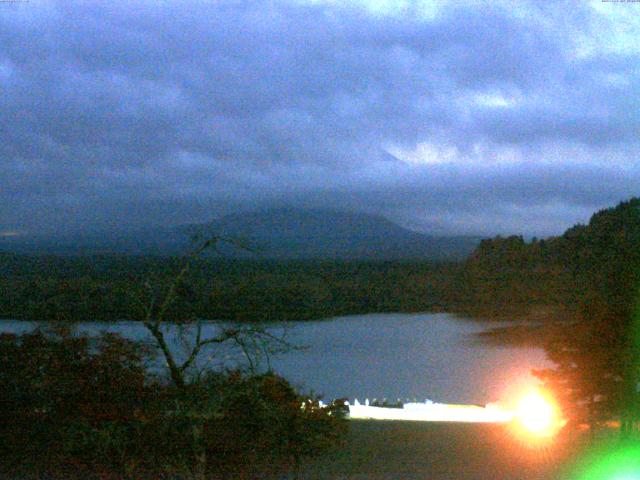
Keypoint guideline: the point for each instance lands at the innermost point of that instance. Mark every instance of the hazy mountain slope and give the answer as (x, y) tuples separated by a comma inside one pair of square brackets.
[(274, 234), (296, 233), (151, 241)]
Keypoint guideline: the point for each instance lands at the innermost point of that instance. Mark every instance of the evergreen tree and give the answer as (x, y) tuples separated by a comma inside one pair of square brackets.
[(597, 356)]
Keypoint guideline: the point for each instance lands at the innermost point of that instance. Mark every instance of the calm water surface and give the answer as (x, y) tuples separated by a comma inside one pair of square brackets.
[(380, 355)]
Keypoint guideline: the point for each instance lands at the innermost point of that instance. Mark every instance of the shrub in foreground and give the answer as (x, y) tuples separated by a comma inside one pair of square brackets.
[(80, 407)]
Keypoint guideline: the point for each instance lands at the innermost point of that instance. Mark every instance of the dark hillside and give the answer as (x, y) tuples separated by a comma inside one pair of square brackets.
[(331, 235), (507, 276), (283, 234)]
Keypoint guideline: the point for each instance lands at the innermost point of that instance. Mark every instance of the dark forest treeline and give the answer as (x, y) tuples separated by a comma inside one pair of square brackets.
[(591, 275), (508, 278), (565, 272), (111, 287), (504, 278)]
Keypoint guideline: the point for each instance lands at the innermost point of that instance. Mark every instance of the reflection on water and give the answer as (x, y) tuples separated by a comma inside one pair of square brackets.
[(379, 355)]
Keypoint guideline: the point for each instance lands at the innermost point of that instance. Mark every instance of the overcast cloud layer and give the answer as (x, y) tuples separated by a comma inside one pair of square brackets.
[(480, 118)]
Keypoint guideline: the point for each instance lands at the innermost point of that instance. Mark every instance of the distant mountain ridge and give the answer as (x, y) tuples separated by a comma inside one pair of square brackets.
[(285, 234), (290, 233)]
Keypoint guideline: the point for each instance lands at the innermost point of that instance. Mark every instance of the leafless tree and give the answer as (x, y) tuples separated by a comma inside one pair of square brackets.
[(254, 341)]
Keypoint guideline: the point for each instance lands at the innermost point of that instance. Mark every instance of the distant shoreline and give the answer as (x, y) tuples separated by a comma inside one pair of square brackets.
[(516, 333)]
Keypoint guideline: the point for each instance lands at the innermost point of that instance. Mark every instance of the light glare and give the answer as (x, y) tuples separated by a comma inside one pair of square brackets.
[(537, 414)]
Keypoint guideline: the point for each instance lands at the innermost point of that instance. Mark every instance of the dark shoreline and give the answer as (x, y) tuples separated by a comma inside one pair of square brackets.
[(518, 333)]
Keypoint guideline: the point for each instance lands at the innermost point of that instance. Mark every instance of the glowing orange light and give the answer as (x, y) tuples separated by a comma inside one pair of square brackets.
[(537, 414)]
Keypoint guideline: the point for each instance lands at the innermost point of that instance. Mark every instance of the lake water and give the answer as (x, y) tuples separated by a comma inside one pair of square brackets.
[(392, 356)]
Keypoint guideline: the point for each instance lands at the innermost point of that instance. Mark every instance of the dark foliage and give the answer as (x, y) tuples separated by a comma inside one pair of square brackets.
[(111, 288), (70, 402), (79, 407), (588, 279), (598, 354)]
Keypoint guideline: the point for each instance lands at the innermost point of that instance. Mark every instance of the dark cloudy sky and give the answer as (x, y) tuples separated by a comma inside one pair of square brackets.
[(478, 117)]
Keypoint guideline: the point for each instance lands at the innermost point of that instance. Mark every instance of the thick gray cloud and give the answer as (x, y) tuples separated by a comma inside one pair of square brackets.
[(476, 118)]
